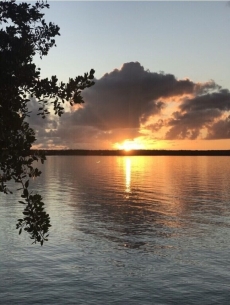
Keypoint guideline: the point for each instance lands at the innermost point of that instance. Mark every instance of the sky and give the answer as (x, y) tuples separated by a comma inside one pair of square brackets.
[(162, 75)]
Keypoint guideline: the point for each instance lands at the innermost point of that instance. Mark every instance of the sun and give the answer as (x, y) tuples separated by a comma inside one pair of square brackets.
[(128, 145)]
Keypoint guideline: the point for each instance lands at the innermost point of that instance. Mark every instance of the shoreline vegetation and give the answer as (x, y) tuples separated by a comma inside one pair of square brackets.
[(138, 152)]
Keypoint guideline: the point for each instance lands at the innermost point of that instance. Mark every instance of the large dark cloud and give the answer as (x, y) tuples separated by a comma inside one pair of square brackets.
[(124, 100)]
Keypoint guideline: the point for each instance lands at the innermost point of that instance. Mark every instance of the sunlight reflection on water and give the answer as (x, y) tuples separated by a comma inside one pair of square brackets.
[(127, 175), (125, 230)]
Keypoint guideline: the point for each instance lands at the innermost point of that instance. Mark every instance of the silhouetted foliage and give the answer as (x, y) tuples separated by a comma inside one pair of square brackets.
[(23, 34)]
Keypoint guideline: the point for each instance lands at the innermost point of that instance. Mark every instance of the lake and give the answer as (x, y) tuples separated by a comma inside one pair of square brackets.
[(125, 230)]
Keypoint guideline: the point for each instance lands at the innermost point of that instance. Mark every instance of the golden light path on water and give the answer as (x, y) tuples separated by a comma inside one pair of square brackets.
[(128, 176)]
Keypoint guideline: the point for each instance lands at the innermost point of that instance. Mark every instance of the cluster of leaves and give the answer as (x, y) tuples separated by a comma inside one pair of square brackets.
[(36, 221), (23, 34)]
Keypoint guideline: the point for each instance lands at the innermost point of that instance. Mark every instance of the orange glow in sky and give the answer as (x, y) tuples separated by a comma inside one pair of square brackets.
[(129, 145)]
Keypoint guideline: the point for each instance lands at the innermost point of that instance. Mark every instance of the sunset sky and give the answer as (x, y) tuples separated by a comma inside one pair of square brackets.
[(162, 75)]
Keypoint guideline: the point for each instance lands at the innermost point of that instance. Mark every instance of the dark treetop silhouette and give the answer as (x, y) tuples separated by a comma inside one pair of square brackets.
[(23, 34)]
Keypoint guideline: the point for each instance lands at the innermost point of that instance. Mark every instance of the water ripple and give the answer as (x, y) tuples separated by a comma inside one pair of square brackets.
[(125, 230)]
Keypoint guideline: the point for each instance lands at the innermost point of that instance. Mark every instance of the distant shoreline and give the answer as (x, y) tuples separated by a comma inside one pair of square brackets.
[(140, 152)]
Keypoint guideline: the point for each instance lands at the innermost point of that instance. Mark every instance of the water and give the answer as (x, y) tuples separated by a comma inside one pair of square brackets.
[(125, 230)]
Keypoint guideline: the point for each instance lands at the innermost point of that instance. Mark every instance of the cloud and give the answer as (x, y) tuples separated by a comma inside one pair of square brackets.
[(40, 125), (219, 130), (156, 126), (189, 125), (88, 137), (216, 100), (197, 113), (126, 100)]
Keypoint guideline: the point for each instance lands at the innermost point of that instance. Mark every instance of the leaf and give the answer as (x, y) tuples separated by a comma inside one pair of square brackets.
[(25, 193), (27, 184)]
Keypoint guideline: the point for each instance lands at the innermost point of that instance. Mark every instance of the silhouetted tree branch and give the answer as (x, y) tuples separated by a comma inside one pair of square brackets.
[(23, 34)]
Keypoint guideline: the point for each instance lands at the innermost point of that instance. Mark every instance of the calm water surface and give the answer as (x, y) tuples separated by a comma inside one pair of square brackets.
[(125, 230)]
